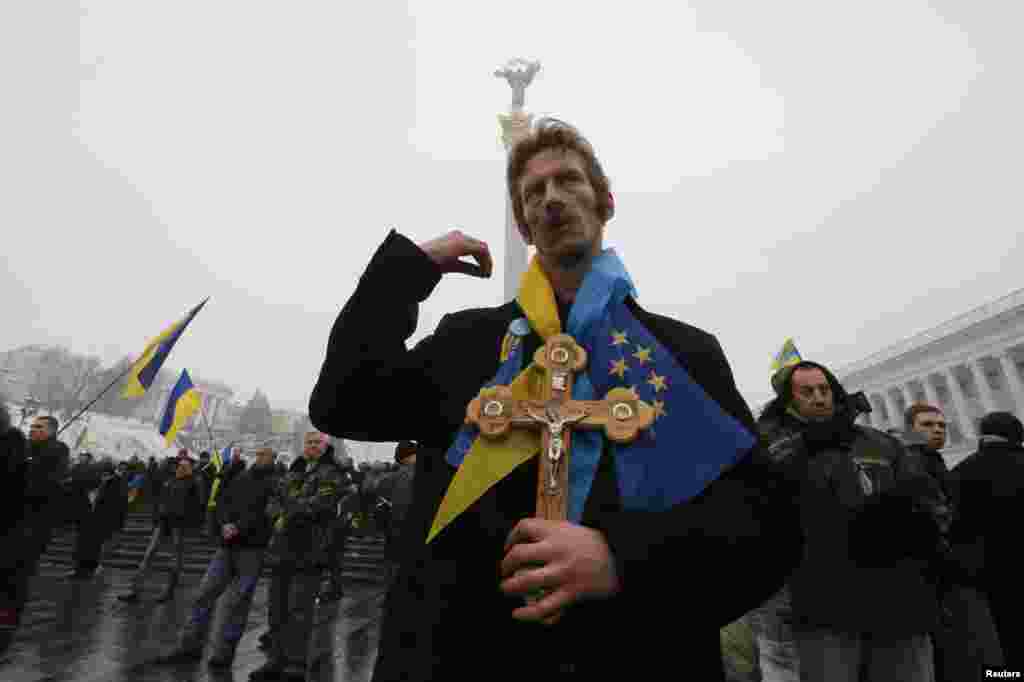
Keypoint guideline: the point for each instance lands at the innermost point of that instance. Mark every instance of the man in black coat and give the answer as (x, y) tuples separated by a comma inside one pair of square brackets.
[(179, 510), (966, 638), (989, 485), (48, 468), (863, 600), (13, 576), (104, 516), (613, 579), (245, 530)]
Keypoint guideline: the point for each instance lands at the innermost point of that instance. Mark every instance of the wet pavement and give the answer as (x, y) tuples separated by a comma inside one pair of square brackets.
[(78, 631)]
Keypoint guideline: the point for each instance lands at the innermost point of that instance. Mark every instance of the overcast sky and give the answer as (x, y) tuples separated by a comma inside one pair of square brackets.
[(844, 173)]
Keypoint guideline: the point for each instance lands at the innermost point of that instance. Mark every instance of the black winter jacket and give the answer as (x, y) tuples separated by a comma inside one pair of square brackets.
[(181, 504), (870, 536), (243, 502)]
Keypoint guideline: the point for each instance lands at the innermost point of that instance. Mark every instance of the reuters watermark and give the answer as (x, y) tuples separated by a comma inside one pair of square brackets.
[(1001, 674)]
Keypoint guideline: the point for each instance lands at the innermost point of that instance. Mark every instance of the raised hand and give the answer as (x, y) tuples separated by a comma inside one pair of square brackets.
[(447, 251)]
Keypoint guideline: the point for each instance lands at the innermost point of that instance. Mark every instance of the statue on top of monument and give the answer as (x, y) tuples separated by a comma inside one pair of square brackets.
[(519, 73)]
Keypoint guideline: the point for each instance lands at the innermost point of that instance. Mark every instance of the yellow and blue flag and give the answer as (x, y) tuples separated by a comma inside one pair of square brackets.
[(183, 402), (690, 444), (145, 369), (789, 355)]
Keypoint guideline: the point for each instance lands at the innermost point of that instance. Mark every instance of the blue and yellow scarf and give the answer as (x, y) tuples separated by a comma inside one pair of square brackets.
[(690, 444)]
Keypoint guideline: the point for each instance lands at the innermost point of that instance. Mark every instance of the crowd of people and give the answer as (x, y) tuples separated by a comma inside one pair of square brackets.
[(296, 518), (854, 554)]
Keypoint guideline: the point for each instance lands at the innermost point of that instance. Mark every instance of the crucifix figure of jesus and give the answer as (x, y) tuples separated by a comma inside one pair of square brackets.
[(621, 414)]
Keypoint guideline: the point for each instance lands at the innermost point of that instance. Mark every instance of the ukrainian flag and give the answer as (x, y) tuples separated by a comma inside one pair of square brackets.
[(145, 369), (789, 355), (182, 404)]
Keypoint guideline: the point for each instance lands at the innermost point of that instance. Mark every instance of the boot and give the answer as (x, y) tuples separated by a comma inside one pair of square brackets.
[(168, 592), (223, 654)]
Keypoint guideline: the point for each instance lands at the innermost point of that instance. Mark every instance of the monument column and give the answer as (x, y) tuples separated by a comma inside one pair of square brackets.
[(929, 391), (984, 389), (514, 126), (895, 417), (908, 396), (960, 401), (1013, 380)]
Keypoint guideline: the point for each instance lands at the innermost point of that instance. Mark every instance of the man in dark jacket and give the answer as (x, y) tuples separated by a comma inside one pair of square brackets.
[(455, 605), (48, 468), (180, 509), (245, 532), (302, 509), (989, 485), (13, 573), (863, 601), (104, 516), (966, 638)]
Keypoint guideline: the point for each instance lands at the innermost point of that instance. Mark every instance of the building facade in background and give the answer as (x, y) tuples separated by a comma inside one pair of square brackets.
[(969, 366)]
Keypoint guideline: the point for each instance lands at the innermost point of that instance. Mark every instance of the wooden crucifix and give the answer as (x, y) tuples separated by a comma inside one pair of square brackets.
[(621, 414)]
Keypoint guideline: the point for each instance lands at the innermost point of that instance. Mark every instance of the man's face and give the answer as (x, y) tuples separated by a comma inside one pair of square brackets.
[(812, 394), (560, 208), (409, 459), (932, 425), (184, 469), (39, 431), (312, 445)]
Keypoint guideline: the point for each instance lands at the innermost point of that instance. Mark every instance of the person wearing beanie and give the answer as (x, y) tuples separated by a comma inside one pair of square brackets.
[(989, 487), (179, 510), (872, 520)]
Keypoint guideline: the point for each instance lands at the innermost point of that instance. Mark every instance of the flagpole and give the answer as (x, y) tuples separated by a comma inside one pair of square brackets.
[(213, 443), (93, 401)]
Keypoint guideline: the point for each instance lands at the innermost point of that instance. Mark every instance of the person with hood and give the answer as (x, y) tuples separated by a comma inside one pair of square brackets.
[(302, 509), (989, 485), (863, 598), (13, 576), (965, 639), (245, 532), (104, 516), (178, 511)]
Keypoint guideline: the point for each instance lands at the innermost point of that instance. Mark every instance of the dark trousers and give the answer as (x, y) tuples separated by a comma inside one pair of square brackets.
[(22, 546), (296, 592), (177, 540), (92, 536)]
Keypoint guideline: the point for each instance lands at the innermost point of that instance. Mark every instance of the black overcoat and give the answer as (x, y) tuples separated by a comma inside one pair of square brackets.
[(685, 572), (989, 488)]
